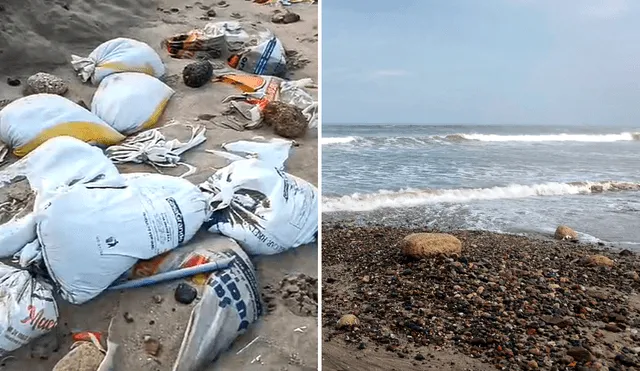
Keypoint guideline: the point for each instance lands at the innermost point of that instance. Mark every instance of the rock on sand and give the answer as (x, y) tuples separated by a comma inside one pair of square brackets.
[(45, 83), (85, 357), (599, 261), (424, 245), (565, 233)]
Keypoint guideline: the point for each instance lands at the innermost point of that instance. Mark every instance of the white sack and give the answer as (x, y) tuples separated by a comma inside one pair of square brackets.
[(131, 101), (91, 236), (266, 210), (118, 55), (27, 309), (56, 165), (30, 121)]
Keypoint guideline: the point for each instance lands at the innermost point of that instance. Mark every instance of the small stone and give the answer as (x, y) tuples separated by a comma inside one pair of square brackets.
[(236, 16), (348, 320), (599, 261), (158, 299), (565, 233), (13, 81), (366, 279), (151, 346), (626, 252), (185, 293), (211, 13), (82, 104), (419, 357), (175, 10), (633, 275), (362, 346), (45, 83), (611, 327), (127, 317), (625, 361), (533, 365), (580, 354)]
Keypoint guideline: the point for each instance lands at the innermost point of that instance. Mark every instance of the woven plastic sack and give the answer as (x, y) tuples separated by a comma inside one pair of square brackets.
[(130, 102), (30, 121), (118, 55), (265, 209), (91, 236), (27, 308)]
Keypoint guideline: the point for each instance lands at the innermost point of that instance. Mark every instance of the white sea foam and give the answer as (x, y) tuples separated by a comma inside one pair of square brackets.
[(416, 197), (593, 138), (337, 140)]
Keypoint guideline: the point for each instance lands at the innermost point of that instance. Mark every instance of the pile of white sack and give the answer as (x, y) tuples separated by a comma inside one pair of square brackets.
[(129, 98)]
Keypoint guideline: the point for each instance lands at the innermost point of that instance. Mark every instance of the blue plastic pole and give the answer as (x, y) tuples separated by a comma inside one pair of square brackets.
[(172, 275)]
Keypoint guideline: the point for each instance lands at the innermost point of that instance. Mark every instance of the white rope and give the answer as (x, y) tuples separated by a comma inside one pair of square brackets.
[(151, 147)]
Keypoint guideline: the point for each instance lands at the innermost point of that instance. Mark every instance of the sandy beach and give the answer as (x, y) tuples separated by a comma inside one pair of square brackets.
[(37, 36), (508, 302)]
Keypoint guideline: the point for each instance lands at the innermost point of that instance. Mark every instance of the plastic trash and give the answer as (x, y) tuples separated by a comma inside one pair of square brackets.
[(56, 165), (265, 209), (151, 147), (130, 102), (90, 235), (247, 48), (30, 121), (274, 152), (118, 55), (230, 303), (28, 309)]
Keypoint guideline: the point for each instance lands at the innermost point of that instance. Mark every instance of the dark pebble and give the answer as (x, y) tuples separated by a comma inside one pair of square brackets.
[(13, 81), (419, 357), (197, 74), (362, 346), (175, 10), (127, 317), (626, 252), (625, 361), (580, 354), (211, 13), (185, 293)]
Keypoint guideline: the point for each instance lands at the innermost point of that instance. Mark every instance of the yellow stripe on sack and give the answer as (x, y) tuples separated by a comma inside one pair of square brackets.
[(83, 130), (122, 67), (155, 116)]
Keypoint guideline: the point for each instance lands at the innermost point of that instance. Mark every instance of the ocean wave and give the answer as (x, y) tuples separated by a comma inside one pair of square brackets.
[(417, 197), (337, 140), (593, 138)]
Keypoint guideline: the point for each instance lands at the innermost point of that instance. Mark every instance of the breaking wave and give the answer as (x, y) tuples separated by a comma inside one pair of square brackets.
[(417, 197), (337, 140), (594, 138)]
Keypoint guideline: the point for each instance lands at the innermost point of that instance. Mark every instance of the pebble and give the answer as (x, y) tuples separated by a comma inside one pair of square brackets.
[(211, 13), (185, 293), (151, 346), (533, 365), (580, 354), (45, 83), (158, 299), (13, 81), (128, 317)]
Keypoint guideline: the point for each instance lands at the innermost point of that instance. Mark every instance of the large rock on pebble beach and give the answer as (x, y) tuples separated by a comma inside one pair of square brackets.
[(599, 261), (45, 83), (425, 245), (565, 233)]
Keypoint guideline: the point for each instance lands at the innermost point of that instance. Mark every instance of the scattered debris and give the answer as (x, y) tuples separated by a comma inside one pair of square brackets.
[(248, 345), (197, 74), (257, 359), (286, 18), (185, 293), (300, 329), (151, 346), (151, 147)]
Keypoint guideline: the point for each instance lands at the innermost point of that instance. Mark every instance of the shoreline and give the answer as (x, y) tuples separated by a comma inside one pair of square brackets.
[(508, 302)]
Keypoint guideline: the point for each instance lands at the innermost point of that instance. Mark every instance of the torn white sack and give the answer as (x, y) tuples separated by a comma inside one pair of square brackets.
[(265, 209)]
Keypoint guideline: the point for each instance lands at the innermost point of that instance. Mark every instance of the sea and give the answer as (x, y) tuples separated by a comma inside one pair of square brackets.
[(510, 179)]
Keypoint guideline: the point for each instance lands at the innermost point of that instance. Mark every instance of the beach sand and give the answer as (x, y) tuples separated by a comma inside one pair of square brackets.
[(508, 302), (37, 36)]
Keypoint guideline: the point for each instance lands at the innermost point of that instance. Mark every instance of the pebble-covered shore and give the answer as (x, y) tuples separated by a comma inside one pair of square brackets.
[(513, 302)]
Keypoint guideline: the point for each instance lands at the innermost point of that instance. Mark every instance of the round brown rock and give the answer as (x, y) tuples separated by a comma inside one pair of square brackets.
[(46, 83), (565, 233), (348, 320), (425, 245), (197, 74), (287, 120)]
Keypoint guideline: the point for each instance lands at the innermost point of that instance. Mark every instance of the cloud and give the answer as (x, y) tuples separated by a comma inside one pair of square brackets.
[(388, 73)]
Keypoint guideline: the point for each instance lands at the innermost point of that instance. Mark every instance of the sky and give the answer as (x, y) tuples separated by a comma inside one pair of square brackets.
[(559, 62)]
